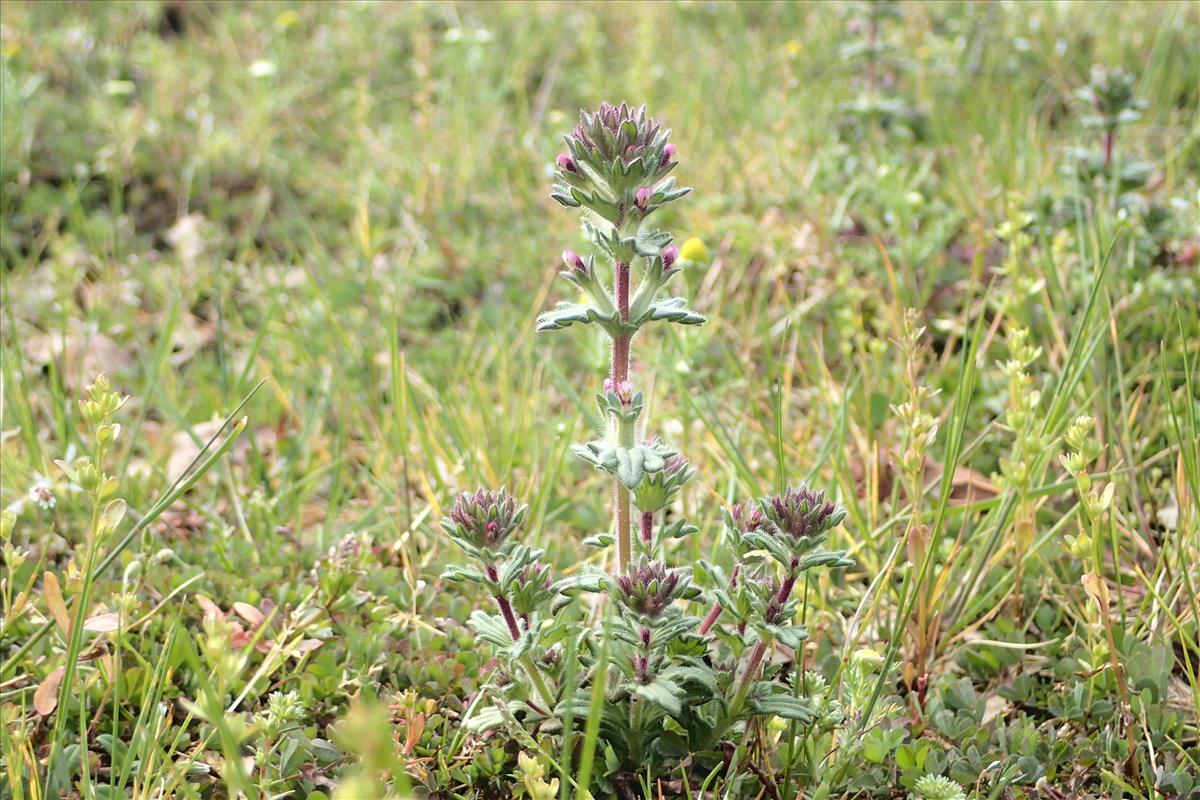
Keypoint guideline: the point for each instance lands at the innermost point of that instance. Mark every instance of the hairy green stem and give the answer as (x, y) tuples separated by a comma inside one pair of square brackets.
[(539, 683), (756, 657)]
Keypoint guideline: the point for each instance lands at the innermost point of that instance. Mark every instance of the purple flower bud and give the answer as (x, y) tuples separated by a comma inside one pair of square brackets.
[(746, 517), (565, 163), (668, 154), (642, 198), (573, 261), (674, 464), (669, 255)]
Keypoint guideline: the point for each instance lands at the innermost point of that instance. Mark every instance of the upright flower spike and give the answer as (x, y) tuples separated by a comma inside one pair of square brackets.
[(676, 675), (617, 169), (481, 523), (1110, 102)]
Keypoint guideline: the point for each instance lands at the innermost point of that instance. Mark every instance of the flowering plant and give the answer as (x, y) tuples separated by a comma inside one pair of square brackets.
[(674, 694)]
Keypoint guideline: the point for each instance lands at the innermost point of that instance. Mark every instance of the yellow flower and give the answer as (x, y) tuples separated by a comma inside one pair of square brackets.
[(286, 19), (694, 250), (533, 776)]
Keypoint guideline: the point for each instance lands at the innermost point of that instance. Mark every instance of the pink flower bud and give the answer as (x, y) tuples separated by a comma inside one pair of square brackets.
[(668, 154), (669, 255), (565, 163), (624, 392), (573, 261), (642, 198)]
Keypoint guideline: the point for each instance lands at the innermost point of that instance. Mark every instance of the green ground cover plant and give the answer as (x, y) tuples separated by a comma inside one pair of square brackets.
[(294, 501)]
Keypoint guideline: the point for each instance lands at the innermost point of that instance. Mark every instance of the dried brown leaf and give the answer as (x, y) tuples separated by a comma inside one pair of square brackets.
[(249, 613), (54, 601), (45, 698), (211, 610), (1096, 588), (103, 623)]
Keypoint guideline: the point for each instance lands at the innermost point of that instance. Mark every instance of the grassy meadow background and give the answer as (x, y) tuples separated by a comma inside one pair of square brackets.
[(346, 206)]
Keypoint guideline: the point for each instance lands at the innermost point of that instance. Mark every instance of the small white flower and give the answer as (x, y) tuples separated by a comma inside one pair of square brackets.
[(263, 68), (42, 494)]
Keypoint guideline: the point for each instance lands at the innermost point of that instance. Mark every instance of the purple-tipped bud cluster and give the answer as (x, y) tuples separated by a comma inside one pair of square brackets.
[(669, 256), (483, 518), (618, 159), (650, 587), (800, 512), (614, 132)]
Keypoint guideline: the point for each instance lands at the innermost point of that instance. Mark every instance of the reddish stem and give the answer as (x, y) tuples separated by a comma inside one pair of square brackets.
[(756, 658), (620, 360), (713, 615), (620, 353), (1109, 138), (506, 609), (509, 617), (620, 373), (785, 591), (647, 526), (715, 612)]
